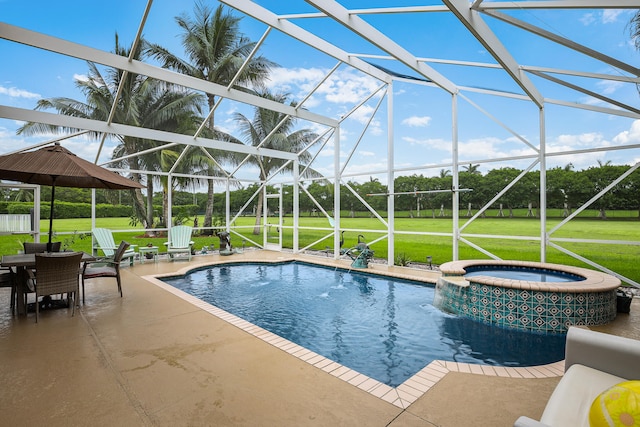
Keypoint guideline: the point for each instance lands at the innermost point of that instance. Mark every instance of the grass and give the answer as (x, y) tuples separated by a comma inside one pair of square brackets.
[(436, 242)]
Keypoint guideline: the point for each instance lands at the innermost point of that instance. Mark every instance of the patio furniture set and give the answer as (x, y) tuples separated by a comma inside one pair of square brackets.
[(179, 242), (45, 271), (54, 273)]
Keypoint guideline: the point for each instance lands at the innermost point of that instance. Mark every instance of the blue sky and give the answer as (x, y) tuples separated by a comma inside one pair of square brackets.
[(422, 121)]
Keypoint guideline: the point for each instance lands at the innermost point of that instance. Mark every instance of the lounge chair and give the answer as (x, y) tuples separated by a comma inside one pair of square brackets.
[(104, 242), (109, 267), (57, 273), (594, 362), (179, 241)]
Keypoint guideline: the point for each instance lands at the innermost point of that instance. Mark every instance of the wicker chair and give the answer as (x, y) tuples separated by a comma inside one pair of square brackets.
[(57, 273), (38, 248), (109, 267), (8, 280)]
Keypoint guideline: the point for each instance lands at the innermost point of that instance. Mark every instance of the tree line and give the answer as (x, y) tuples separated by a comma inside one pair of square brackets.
[(566, 189)]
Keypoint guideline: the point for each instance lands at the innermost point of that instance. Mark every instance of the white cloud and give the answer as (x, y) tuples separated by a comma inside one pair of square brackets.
[(479, 148), (588, 19), (363, 114), (417, 121), (581, 141), (607, 87), (285, 79), (631, 136), (432, 143), (342, 87), (18, 93), (610, 16)]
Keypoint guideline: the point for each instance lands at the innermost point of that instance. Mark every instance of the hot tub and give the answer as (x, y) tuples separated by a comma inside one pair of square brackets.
[(579, 297)]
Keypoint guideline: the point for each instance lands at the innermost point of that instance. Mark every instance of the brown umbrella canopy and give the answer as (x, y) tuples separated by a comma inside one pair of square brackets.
[(56, 166)]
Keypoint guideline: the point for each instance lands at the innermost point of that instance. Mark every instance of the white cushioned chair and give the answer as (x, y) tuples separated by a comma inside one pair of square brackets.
[(594, 362)]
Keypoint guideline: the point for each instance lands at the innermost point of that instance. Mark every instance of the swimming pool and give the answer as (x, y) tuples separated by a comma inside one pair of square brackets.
[(381, 327)]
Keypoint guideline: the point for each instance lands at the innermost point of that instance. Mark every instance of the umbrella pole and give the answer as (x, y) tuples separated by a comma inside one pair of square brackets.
[(53, 198)]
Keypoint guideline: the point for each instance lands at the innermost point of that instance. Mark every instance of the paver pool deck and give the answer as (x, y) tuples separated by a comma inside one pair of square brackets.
[(153, 358)]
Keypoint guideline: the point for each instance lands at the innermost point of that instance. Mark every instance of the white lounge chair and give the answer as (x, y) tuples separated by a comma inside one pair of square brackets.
[(104, 242), (594, 362), (179, 241)]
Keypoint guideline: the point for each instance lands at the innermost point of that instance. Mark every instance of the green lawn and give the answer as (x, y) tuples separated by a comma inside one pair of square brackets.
[(618, 257)]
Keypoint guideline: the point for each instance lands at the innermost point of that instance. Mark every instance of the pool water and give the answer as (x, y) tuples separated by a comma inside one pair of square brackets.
[(521, 273), (384, 328)]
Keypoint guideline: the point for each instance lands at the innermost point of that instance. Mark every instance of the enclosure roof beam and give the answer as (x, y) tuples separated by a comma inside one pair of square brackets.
[(70, 122), (472, 20), (484, 5), (565, 42), (559, 4), (250, 8), (379, 39), (64, 47), (586, 91)]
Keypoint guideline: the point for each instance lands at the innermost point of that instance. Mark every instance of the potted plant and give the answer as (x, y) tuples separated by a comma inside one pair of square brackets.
[(149, 255)]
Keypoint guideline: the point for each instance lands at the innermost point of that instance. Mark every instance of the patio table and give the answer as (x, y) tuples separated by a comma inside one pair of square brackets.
[(21, 262), (144, 250)]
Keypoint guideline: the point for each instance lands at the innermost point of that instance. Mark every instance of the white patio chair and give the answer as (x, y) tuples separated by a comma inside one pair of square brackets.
[(105, 243), (179, 241)]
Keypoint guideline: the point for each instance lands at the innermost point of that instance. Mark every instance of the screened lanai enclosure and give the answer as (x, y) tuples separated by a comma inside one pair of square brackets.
[(339, 94)]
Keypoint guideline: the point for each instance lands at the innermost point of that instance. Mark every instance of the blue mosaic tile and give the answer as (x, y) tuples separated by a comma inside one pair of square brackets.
[(538, 311)]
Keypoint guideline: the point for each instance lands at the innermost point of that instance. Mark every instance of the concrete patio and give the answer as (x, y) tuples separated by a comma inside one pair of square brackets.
[(154, 359)]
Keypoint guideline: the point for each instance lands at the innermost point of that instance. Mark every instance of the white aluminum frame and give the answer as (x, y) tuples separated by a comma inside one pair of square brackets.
[(470, 14)]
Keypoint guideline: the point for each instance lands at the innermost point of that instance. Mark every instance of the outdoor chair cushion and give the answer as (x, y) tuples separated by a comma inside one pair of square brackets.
[(594, 362)]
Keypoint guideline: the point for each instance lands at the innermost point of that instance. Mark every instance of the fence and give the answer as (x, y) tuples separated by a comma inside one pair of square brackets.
[(12, 223)]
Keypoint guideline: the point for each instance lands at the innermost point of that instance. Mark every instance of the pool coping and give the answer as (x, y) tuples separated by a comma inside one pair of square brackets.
[(594, 281), (401, 396)]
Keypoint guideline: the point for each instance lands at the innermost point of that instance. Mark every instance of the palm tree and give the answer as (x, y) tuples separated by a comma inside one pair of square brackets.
[(634, 32), (143, 102), (215, 51), (472, 169), (286, 138), (634, 29), (445, 173)]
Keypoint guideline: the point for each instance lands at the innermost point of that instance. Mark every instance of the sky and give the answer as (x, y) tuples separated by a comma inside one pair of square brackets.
[(490, 127)]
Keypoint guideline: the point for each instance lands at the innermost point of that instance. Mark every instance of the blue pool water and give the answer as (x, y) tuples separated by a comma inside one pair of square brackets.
[(384, 328), (522, 273)]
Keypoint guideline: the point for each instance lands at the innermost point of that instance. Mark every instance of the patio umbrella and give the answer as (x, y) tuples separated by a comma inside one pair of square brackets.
[(58, 167)]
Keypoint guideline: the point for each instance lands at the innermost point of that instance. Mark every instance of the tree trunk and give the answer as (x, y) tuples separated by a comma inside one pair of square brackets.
[(208, 212), (138, 200), (149, 209), (165, 208), (256, 228)]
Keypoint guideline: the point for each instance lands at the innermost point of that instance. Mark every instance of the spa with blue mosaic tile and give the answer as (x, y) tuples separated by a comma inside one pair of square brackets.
[(534, 306)]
